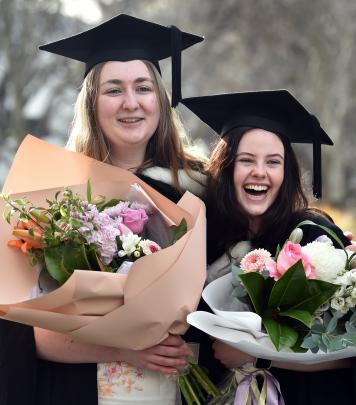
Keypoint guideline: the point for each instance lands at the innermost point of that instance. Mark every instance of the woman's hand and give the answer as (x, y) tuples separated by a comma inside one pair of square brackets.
[(166, 357), (229, 356), (349, 235)]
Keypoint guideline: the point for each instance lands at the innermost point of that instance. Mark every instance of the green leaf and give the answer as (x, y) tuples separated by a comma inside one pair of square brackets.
[(21, 202), (110, 203), (24, 217), (89, 191), (302, 316), (179, 230), (63, 211), (255, 287), (75, 223), (62, 260), (282, 336), (7, 216), (317, 292), (289, 289), (332, 325), (308, 343), (324, 228), (297, 347)]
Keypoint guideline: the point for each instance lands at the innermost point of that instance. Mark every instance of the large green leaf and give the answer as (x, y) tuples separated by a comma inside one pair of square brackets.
[(62, 260), (282, 336), (255, 286), (289, 289), (317, 292), (303, 316)]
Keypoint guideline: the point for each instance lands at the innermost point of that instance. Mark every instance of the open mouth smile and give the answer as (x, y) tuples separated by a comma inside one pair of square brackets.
[(256, 189)]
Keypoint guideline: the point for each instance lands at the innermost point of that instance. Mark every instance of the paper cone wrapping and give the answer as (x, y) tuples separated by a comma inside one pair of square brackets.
[(132, 311), (241, 329)]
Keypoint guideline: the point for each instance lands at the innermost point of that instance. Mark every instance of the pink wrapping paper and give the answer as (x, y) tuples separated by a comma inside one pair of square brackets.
[(134, 311)]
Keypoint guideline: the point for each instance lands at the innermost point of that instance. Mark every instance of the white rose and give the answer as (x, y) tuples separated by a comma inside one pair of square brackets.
[(327, 260)]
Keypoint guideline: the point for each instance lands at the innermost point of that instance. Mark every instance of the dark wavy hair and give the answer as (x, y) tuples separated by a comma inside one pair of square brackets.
[(226, 218)]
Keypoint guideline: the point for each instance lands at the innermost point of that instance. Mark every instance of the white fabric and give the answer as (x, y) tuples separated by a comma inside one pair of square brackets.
[(186, 182), (120, 383)]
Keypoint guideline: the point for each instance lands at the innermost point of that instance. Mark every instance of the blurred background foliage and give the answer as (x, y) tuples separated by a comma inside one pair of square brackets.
[(307, 47)]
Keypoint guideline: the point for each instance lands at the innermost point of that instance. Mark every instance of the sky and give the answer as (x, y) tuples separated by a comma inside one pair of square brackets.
[(74, 8)]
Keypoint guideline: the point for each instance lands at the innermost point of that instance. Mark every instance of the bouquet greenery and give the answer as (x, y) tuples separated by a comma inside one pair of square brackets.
[(306, 295)]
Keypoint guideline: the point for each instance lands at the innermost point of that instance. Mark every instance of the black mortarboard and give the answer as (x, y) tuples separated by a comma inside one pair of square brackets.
[(273, 110), (125, 38)]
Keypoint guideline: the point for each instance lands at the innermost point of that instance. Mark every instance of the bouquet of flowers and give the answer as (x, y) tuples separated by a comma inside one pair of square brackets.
[(138, 246), (298, 306), (85, 234), (305, 296)]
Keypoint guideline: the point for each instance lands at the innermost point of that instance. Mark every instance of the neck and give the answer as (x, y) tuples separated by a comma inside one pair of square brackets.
[(129, 158), (254, 225)]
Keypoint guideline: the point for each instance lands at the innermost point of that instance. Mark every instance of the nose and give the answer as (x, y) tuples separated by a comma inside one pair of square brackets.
[(130, 101), (259, 170)]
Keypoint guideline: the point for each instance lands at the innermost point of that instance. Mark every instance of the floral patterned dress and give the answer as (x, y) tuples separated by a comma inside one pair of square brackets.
[(120, 383)]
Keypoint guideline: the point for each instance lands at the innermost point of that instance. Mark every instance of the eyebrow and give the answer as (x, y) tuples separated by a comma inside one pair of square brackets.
[(272, 155), (119, 82)]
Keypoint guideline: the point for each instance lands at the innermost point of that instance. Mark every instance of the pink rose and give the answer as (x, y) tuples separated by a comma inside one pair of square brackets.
[(149, 246), (288, 256), (134, 219)]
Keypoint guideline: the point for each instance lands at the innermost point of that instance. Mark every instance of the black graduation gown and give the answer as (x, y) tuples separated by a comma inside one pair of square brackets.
[(312, 388), (27, 380)]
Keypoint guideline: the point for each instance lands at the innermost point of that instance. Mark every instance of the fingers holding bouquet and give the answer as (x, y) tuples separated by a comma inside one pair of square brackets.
[(166, 357), (349, 235)]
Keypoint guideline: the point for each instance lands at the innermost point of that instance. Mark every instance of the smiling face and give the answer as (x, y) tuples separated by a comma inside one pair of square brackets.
[(128, 108), (258, 172)]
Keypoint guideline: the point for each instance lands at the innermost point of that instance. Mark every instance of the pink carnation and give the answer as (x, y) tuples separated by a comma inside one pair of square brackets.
[(257, 260), (288, 256)]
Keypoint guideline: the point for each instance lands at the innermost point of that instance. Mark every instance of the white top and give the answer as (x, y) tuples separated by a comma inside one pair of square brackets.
[(120, 384)]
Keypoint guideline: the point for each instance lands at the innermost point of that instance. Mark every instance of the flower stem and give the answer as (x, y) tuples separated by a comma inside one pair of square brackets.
[(204, 380)]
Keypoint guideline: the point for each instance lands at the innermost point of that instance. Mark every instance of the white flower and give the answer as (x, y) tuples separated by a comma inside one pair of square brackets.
[(327, 260), (129, 242), (324, 239), (338, 303)]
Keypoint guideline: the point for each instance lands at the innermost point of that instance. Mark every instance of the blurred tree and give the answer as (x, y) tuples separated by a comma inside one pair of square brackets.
[(306, 47)]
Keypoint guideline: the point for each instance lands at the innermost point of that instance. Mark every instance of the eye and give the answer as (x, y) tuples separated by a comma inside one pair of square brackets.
[(144, 89), (274, 162), (245, 160), (114, 91)]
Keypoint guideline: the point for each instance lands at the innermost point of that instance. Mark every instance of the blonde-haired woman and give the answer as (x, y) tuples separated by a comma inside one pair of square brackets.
[(123, 117)]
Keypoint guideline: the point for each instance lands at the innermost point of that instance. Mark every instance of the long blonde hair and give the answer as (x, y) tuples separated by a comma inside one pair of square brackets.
[(168, 147)]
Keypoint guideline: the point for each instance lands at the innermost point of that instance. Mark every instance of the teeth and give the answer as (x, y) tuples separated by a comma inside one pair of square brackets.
[(256, 187), (129, 120)]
